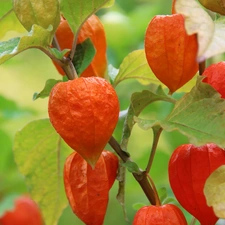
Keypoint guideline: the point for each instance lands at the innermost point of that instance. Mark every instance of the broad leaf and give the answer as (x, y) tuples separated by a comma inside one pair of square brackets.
[(37, 37), (77, 11), (42, 12), (40, 155), (139, 101), (47, 89), (214, 191), (199, 115), (210, 34), (135, 66), (9, 21)]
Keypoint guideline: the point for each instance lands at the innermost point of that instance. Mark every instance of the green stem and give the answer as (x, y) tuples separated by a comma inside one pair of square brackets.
[(156, 133)]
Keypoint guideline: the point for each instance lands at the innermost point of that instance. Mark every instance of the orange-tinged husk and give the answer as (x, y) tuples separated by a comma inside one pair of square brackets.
[(93, 29), (84, 112), (170, 52), (26, 211), (87, 189), (197, 163), (159, 215)]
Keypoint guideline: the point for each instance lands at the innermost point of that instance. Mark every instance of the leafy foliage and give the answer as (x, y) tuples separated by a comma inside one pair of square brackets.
[(190, 113), (40, 154)]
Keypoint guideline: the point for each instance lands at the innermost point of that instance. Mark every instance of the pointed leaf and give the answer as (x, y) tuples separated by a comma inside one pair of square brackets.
[(84, 54), (200, 115), (132, 167), (77, 11), (214, 191), (109, 4), (47, 89), (138, 205), (42, 12), (210, 34), (38, 37), (40, 155), (135, 66)]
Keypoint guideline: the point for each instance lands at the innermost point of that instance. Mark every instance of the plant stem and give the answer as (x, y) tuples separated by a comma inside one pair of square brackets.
[(140, 177), (158, 203), (66, 62), (193, 221), (73, 50), (156, 132), (201, 67)]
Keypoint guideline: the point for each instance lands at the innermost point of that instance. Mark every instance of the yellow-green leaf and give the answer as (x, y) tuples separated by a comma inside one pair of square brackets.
[(40, 154), (37, 37), (214, 191), (42, 12), (77, 11), (135, 66)]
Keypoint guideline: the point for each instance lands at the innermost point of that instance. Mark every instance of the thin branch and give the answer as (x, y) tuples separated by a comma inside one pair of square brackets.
[(66, 63), (141, 177), (157, 132)]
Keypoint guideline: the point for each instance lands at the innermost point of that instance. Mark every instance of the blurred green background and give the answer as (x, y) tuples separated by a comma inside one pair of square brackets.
[(125, 24)]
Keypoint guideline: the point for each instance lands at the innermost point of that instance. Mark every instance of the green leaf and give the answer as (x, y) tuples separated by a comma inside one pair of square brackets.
[(135, 66), (199, 115), (84, 54), (8, 20), (40, 155), (7, 203), (112, 73), (37, 37), (214, 191), (139, 101), (170, 200), (138, 205), (58, 54), (210, 34), (132, 167), (47, 89), (109, 4), (77, 11), (42, 12), (162, 192)]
